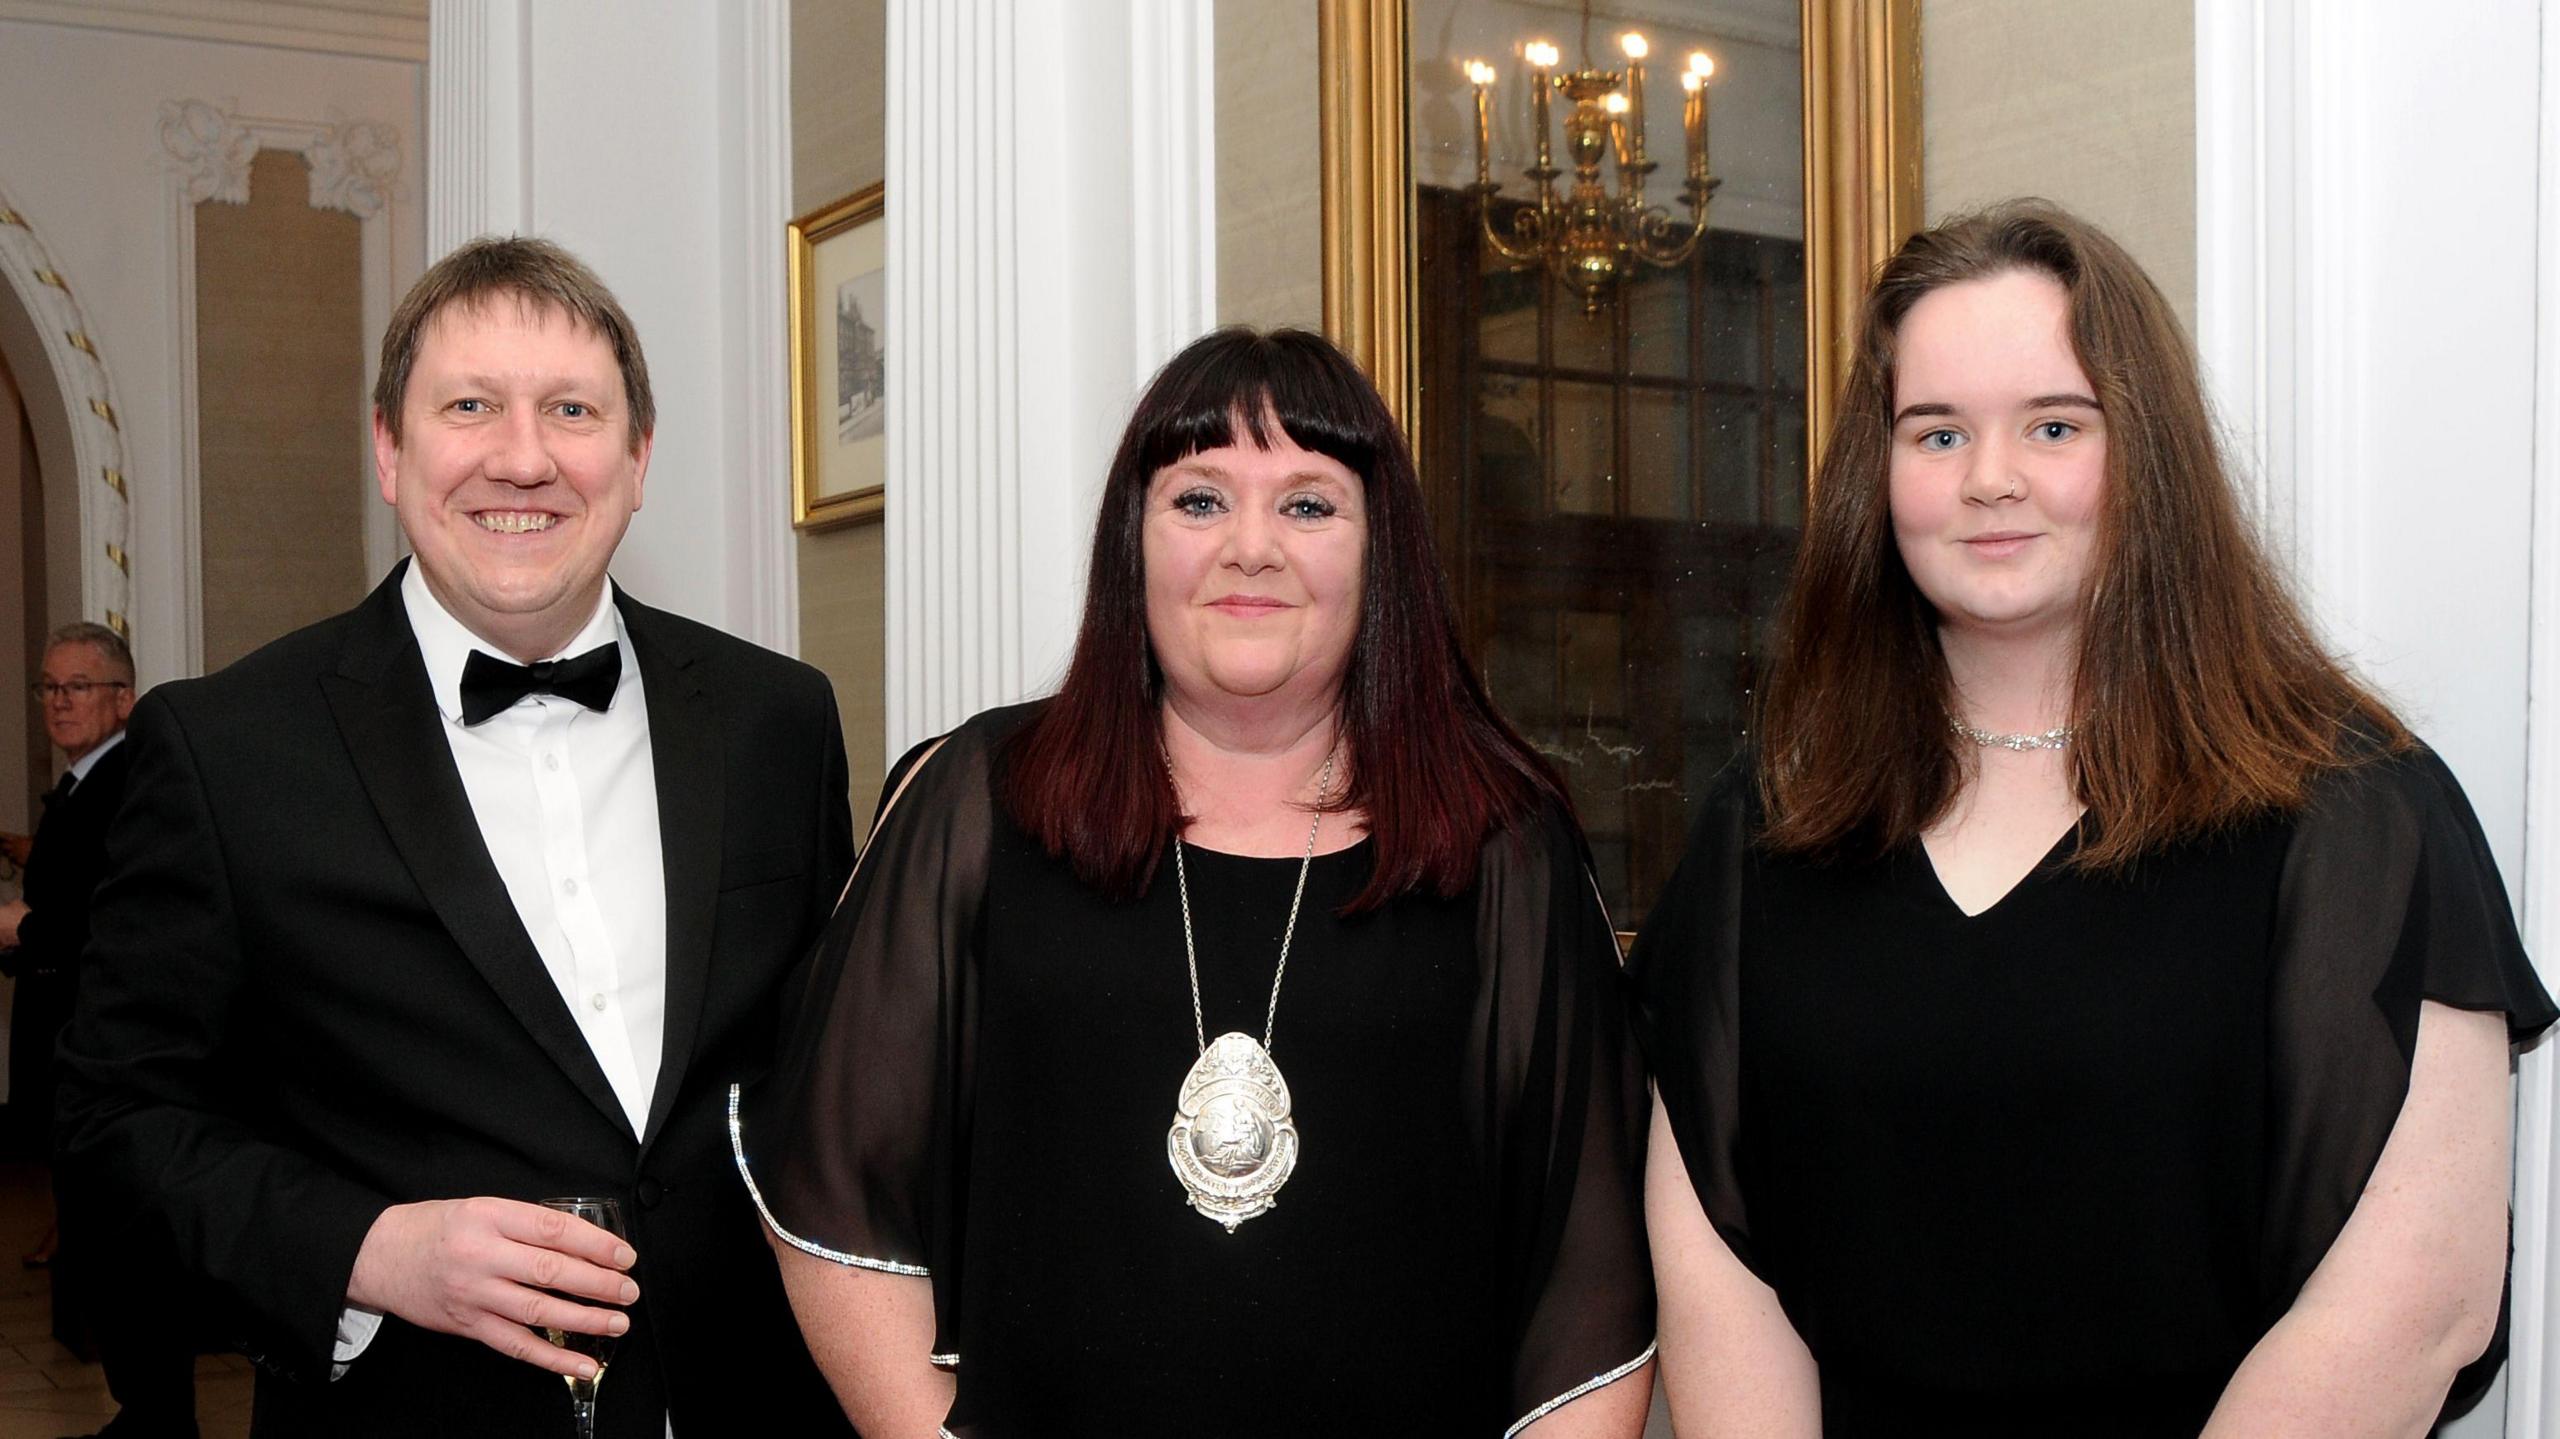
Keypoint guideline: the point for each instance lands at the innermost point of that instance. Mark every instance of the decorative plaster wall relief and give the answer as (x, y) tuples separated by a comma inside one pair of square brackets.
[(353, 167), (209, 149), (354, 164)]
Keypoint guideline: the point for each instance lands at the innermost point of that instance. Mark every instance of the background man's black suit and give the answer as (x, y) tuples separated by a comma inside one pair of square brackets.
[(310, 997), (69, 859)]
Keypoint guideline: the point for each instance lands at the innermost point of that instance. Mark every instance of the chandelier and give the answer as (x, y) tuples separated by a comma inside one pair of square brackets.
[(1589, 239)]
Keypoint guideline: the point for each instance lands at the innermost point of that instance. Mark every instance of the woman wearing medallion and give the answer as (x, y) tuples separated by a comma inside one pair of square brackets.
[(1232, 1042), (2089, 1010)]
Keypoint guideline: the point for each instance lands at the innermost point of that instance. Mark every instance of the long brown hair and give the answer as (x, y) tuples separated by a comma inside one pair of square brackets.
[(2202, 695), (1434, 768)]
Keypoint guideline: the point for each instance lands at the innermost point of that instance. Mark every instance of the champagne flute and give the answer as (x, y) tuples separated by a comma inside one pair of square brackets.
[(604, 1214)]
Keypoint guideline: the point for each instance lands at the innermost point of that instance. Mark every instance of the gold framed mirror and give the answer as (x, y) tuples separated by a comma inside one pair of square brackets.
[(1616, 466)]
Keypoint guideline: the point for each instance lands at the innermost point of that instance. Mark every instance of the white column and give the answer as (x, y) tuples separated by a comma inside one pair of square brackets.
[(1051, 243), (2375, 364), (1174, 185), (2279, 241), (2533, 1373), (650, 137), (476, 136), (763, 602), (2367, 252)]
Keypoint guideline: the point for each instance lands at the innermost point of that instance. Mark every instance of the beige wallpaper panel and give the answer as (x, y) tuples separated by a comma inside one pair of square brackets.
[(842, 632), (839, 121), (280, 410), (1269, 176), (2088, 103), (839, 98)]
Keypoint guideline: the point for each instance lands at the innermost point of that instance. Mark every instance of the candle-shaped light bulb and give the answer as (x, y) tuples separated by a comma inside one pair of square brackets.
[(1615, 106), (1701, 64), (1693, 119), (1480, 75), (1542, 58), (1637, 48)]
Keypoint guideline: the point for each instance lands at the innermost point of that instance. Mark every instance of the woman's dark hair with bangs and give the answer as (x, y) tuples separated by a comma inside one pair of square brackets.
[(1432, 766)]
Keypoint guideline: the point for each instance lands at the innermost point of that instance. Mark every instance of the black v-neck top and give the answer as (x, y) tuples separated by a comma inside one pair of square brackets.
[(2055, 1167), (1977, 1132)]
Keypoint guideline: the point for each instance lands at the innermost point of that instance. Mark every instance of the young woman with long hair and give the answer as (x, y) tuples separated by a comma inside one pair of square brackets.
[(2087, 1008)]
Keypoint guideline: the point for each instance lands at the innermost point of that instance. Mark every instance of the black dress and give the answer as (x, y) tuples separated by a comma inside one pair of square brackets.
[(2056, 1167), (979, 1084)]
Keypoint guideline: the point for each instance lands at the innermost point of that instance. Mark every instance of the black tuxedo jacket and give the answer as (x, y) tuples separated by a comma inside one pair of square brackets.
[(308, 997)]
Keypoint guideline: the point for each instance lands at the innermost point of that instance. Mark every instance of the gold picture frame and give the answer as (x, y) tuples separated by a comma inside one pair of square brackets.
[(1862, 181), (839, 455)]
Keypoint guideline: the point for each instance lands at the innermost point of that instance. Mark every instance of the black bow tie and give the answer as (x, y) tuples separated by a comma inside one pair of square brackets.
[(491, 685)]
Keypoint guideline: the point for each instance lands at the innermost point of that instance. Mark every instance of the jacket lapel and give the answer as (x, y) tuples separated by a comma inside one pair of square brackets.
[(684, 752), (387, 715)]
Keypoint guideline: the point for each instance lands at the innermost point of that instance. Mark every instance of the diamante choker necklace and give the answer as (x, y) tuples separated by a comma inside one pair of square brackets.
[(2056, 738)]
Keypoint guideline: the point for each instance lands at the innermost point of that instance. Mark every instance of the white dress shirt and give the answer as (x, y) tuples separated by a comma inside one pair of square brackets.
[(567, 802), (79, 768), (568, 805)]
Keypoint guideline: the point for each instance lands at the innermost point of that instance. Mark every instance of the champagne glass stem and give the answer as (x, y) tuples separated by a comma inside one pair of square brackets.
[(584, 1411)]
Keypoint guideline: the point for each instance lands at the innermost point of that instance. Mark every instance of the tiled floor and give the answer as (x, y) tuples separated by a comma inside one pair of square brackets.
[(44, 1390)]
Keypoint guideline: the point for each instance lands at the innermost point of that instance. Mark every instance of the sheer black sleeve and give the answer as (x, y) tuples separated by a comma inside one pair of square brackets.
[(1566, 1111), (851, 1147), (2389, 898), (1687, 971)]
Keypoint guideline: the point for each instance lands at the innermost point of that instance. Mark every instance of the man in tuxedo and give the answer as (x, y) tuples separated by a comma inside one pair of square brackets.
[(86, 692), (483, 892)]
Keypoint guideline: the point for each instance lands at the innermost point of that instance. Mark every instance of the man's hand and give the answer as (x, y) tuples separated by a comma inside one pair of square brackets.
[(495, 1270), (16, 848), (12, 915)]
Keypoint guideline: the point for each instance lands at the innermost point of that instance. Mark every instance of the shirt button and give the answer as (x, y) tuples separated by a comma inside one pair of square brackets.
[(551, 762), (569, 887), (597, 1000)]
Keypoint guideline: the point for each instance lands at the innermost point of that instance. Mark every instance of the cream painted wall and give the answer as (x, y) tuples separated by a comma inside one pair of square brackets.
[(2088, 103), (19, 764), (839, 115), (1270, 195)]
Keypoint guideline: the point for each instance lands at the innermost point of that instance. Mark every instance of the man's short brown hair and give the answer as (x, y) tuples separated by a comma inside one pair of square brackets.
[(536, 273)]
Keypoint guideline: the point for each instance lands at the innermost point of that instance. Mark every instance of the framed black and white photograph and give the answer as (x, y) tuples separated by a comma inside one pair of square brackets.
[(839, 369)]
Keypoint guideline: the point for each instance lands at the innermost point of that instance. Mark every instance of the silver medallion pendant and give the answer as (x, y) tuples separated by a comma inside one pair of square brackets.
[(1232, 1143)]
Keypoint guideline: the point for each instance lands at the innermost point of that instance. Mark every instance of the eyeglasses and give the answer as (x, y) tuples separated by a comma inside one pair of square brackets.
[(46, 691)]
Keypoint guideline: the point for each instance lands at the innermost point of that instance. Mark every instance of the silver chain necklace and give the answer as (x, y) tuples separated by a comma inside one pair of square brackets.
[(1233, 1143), (2059, 737)]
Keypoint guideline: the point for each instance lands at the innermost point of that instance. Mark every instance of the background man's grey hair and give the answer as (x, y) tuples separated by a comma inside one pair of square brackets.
[(107, 641)]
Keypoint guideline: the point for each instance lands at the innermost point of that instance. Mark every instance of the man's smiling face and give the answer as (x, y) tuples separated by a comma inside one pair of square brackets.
[(516, 470)]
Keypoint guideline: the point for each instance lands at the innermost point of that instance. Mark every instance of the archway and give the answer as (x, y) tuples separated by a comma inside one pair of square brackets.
[(71, 407), (75, 531)]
